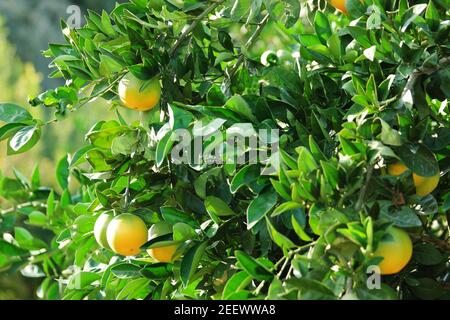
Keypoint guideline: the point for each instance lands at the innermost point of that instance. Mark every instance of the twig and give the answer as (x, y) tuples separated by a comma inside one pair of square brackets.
[(196, 21), (443, 245), (363, 190), (249, 43), (129, 172), (23, 205)]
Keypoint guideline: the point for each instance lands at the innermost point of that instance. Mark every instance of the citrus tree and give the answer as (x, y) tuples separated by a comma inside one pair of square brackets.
[(352, 202)]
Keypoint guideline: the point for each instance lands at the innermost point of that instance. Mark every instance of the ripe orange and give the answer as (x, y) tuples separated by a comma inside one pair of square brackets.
[(166, 253), (424, 185), (340, 5), (126, 233), (100, 228), (397, 169), (396, 251), (138, 94)]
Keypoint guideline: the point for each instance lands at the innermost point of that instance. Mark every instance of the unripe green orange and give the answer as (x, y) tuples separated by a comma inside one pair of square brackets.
[(126, 234), (396, 251), (166, 253), (100, 227), (138, 94)]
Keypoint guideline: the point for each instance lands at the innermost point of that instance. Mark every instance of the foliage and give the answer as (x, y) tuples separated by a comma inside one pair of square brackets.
[(349, 96)]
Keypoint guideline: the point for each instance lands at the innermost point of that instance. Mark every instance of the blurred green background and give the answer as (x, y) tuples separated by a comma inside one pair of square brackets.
[(26, 28)]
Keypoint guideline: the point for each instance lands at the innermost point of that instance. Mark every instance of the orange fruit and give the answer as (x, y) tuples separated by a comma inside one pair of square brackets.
[(166, 253), (424, 185), (126, 234), (396, 251), (340, 5), (138, 94)]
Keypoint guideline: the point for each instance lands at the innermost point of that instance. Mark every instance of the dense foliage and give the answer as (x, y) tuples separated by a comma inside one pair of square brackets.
[(350, 94)]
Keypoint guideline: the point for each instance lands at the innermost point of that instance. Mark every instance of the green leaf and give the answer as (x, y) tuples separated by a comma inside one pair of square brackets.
[(322, 26), (126, 270), (218, 207), (286, 206), (37, 218), (247, 175), (11, 250), (426, 254), (306, 162), (405, 217), (173, 216), (11, 113), (81, 279), (35, 178), (8, 130), (311, 285), (282, 241), (260, 206), (157, 271), (62, 172), (241, 105), (135, 289), (236, 283), (369, 53), (390, 136), (191, 261), (22, 137), (51, 204), (331, 173), (299, 229), (79, 156), (252, 266), (240, 9), (418, 159), (164, 146)]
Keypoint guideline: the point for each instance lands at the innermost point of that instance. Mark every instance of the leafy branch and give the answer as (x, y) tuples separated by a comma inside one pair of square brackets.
[(194, 24), (247, 46)]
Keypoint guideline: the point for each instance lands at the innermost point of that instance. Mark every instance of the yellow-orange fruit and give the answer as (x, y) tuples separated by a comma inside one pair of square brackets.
[(424, 185), (126, 234), (166, 253), (340, 5), (396, 169), (396, 251), (138, 94)]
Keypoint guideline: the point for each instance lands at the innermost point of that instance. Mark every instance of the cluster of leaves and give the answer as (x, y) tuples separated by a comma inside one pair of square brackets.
[(350, 95)]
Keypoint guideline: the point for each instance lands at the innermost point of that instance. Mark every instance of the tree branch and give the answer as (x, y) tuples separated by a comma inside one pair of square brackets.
[(363, 190), (441, 244), (249, 43), (194, 23)]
